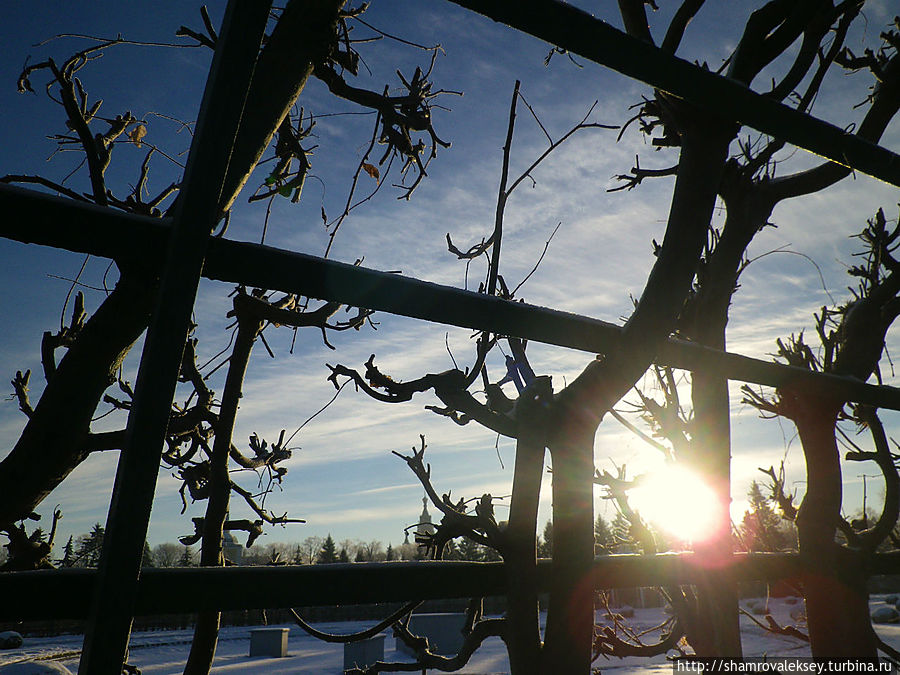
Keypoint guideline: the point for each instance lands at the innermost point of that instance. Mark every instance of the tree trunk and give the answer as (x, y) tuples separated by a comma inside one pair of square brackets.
[(717, 597), (583, 403), (206, 628), (569, 635), (53, 441), (523, 636), (837, 607), (710, 449)]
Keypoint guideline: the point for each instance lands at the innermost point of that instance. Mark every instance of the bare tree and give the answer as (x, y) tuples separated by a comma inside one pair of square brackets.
[(166, 554), (310, 548), (750, 189), (58, 427), (199, 440), (689, 289), (852, 343), (564, 421)]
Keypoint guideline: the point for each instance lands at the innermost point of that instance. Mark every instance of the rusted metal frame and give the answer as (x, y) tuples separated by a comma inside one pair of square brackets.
[(572, 29), (112, 606), (65, 594), (89, 229)]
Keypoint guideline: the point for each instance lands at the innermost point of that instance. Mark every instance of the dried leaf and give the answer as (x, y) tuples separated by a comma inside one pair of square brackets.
[(137, 133), (371, 170)]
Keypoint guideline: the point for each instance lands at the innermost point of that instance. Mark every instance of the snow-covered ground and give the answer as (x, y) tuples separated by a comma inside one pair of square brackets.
[(165, 652)]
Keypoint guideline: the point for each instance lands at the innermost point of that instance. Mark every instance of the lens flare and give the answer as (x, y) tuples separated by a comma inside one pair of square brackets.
[(679, 502)]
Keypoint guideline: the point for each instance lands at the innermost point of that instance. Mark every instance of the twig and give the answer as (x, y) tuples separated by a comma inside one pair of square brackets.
[(315, 414), (772, 626), (539, 260)]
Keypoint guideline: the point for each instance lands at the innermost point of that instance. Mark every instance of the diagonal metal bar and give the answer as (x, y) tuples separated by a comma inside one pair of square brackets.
[(106, 638), (568, 27), (33, 217)]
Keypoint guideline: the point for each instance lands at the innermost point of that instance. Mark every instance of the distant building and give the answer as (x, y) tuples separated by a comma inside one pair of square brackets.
[(232, 548), (425, 527)]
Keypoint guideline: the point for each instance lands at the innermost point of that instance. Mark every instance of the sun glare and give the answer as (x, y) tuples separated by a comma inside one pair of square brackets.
[(677, 501)]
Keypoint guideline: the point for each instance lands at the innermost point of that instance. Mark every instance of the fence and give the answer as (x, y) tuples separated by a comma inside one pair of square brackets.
[(113, 595)]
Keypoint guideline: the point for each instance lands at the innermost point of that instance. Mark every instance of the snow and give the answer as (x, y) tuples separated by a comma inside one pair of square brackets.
[(165, 652)]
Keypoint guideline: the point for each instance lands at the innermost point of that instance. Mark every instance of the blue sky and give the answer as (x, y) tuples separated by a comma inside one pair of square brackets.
[(343, 478)]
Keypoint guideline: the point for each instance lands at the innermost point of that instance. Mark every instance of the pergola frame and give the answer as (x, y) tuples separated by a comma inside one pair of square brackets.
[(113, 595)]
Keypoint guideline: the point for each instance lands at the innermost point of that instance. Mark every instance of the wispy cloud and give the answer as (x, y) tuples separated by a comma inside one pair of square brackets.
[(342, 475)]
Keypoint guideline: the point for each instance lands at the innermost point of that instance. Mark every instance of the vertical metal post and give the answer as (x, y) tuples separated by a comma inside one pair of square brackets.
[(109, 628)]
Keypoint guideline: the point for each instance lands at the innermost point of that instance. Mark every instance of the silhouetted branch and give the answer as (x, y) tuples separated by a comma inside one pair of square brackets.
[(252, 527), (360, 635), (481, 527), (20, 389), (425, 660), (772, 626), (785, 502), (873, 537)]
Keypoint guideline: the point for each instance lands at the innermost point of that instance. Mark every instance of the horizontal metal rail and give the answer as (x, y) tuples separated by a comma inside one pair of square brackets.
[(33, 217), (65, 594), (572, 29)]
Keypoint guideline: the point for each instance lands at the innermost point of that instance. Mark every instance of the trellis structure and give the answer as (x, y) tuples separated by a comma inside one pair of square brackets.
[(113, 595)]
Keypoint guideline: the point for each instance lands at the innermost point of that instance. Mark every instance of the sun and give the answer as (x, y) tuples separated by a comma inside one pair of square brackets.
[(679, 502)]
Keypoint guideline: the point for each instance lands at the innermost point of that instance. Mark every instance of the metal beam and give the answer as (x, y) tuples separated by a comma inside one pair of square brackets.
[(568, 27), (360, 287), (65, 594), (90, 229), (112, 608)]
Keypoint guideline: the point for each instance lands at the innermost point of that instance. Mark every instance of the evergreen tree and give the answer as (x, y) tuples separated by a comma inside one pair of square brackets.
[(489, 554), (451, 551), (328, 553), (621, 530), (389, 554), (68, 559), (187, 557), (761, 527), (469, 550), (343, 557), (147, 557), (604, 540), (297, 558), (89, 547), (545, 543)]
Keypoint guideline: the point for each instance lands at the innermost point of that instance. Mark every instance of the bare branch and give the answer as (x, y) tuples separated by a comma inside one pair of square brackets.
[(785, 502), (772, 626), (687, 11), (481, 527), (873, 537), (425, 660), (361, 635), (20, 388)]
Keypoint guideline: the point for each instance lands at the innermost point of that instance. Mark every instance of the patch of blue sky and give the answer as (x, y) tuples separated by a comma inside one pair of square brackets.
[(595, 263)]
